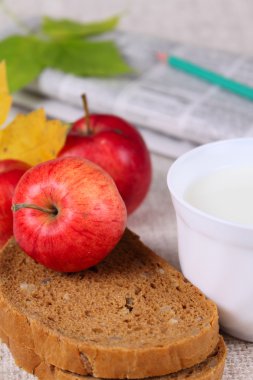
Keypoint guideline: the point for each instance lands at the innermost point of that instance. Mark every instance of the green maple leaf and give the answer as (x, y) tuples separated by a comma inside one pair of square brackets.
[(24, 59), (63, 28), (26, 56), (86, 58)]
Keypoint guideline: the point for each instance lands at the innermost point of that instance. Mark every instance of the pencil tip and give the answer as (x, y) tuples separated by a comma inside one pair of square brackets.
[(161, 56)]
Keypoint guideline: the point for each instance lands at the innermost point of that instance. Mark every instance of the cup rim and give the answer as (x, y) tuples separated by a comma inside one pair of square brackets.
[(187, 205)]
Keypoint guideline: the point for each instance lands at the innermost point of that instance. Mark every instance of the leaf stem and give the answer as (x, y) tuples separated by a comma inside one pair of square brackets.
[(12, 15), (87, 114), (19, 206)]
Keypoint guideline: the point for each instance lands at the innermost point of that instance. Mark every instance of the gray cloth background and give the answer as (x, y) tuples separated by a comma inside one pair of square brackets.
[(224, 24)]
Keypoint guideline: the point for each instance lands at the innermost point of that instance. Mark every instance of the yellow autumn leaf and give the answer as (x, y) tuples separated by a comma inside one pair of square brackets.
[(32, 138), (5, 98)]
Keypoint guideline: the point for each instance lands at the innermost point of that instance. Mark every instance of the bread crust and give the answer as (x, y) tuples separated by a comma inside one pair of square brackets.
[(108, 362), (211, 369), (112, 363)]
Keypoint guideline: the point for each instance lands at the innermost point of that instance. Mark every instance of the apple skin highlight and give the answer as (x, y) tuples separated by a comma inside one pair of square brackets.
[(119, 149), (87, 218)]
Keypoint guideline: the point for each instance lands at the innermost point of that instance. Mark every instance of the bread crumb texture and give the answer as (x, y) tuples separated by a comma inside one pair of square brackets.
[(132, 299)]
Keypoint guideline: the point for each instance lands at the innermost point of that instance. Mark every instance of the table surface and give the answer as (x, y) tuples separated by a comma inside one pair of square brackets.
[(224, 24)]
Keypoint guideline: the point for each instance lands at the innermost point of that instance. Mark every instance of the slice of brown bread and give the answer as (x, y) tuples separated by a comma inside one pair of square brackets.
[(210, 369), (131, 316)]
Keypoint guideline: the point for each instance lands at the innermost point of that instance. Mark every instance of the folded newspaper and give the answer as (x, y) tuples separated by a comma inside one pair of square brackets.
[(174, 110)]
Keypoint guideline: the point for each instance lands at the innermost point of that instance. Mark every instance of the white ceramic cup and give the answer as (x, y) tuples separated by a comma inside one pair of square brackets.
[(216, 255)]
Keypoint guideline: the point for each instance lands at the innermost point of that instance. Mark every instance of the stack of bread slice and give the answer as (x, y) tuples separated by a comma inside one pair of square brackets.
[(132, 316)]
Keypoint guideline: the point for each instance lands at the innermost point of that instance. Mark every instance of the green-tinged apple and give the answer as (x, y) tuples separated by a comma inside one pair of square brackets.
[(68, 214), (118, 148), (10, 173)]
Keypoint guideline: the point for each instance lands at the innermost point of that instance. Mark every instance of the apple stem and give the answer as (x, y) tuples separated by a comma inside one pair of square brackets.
[(87, 114), (19, 206)]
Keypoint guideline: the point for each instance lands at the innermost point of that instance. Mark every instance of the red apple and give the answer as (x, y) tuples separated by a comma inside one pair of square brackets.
[(68, 214), (10, 173), (118, 148)]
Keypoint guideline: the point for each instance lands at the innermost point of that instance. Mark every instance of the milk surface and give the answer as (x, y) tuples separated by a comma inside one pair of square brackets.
[(226, 193)]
